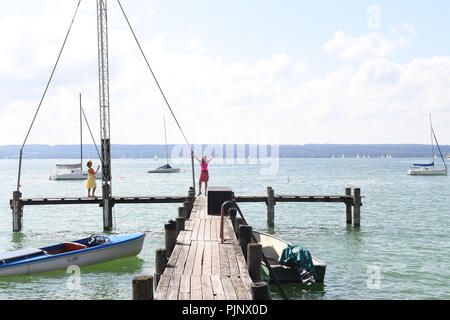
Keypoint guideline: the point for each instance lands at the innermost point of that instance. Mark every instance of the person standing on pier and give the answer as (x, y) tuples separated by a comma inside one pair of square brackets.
[(91, 184), (204, 176)]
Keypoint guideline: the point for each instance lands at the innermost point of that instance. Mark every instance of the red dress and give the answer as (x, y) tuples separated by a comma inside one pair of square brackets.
[(204, 177)]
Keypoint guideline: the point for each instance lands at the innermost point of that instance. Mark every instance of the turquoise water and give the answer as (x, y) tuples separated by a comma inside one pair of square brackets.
[(401, 250)]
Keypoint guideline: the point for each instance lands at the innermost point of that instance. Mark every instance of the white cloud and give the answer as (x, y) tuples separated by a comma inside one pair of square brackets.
[(371, 45), (217, 100)]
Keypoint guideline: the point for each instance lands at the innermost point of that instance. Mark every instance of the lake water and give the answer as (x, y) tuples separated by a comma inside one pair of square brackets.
[(401, 250)]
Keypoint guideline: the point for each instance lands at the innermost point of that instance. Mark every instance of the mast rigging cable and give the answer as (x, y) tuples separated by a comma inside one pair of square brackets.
[(45, 92)]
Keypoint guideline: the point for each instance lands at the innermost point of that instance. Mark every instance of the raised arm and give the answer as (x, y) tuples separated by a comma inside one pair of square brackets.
[(212, 158)]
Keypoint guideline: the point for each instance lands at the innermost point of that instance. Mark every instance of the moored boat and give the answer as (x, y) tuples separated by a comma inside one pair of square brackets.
[(167, 168), (272, 248), (71, 172), (87, 251), (429, 169)]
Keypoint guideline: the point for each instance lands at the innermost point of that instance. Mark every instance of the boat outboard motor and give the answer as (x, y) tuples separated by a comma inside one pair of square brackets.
[(305, 276), (92, 240)]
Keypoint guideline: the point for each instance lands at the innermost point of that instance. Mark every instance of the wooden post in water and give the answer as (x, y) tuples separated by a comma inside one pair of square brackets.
[(245, 236), (17, 211), (143, 288), (270, 207), (254, 257), (188, 204), (260, 291), (357, 207), (239, 221), (170, 230), (160, 264), (179, 224), (348, 206), (182, 212)]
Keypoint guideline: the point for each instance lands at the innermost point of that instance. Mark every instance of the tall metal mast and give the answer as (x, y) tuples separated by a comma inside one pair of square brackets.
[(103, 75), (81, 135)]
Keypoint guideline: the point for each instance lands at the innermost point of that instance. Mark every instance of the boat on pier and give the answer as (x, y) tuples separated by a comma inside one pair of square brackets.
[(92, 250)]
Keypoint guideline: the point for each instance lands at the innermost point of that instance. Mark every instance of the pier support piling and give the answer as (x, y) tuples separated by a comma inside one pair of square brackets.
[(160, 264), (260, 291), (270, 207), (357, 207), (245, 236), (143, 288), (179, 224), (348, 206), (17, 211), (238, 222), (182, 212), (254, 257), (170, 230), (107, 205)]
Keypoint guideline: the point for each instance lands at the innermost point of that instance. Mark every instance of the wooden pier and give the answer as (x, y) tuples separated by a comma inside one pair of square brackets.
[(200, 267), (352, 203)]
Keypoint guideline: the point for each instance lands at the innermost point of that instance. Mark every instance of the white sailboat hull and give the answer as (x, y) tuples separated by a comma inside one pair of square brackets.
[(427, 172), (73, 176)]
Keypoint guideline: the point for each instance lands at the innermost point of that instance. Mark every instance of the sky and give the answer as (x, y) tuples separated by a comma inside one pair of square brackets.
[(254, 71)]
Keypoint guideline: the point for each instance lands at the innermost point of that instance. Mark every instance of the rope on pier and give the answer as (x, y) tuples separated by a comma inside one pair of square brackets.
[(45, 92), (160, 89)]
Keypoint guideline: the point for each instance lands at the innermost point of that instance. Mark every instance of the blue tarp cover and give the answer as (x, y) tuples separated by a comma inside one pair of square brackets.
[(297, 256), (424, 165)]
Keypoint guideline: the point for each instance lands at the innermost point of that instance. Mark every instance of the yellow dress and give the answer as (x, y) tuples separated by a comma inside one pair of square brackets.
[(91, 179)]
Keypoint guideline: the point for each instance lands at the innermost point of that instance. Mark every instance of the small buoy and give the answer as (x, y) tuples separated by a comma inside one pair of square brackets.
[(20, 186), (184, 171), (121, 177)]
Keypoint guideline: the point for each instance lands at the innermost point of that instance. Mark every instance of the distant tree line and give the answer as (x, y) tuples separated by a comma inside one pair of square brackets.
[(241, 150)]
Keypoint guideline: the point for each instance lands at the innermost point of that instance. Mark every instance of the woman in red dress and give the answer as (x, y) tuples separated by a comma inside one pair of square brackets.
[(204, 176)]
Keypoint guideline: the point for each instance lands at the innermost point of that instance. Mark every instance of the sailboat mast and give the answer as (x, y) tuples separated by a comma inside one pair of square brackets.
[(432, 144), (165, 138), (81, 135)]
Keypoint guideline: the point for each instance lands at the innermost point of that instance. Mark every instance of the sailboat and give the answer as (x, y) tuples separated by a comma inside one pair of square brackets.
[(73, 171), (155, 157), (165, 168), (428, 169)]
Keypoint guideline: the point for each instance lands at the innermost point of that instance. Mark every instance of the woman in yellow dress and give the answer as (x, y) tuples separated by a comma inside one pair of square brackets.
[(91, 184)]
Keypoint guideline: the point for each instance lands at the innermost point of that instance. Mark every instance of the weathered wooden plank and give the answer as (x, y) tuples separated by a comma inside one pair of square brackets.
[(194, 235), (207, 291), (182, 257), (216, 283), (185, 284), (163, 286), (234, 269), (228, 288), (196, 288), (207, 232), (215, 262), (198, 258), (174, 286), (213, 232), (224, 264), (239, 288), (189, 266), (207, 259), (201, 230), (184, 296)]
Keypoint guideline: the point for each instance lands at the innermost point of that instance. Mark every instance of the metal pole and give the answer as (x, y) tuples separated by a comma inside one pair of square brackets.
[(193, 171), (81, 135), (103, 71)]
